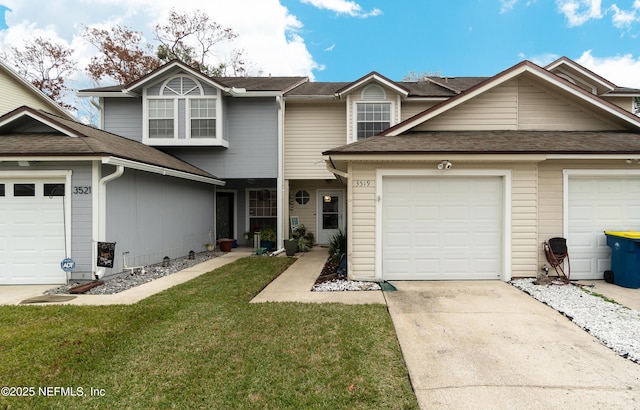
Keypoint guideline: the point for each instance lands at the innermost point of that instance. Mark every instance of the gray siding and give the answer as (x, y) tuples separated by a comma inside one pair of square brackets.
[(251, 126), (123, 116), (152, 216)]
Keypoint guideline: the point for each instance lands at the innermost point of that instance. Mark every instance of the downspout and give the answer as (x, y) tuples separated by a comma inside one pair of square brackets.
[(331, 168), (280, 179), (102, 210)]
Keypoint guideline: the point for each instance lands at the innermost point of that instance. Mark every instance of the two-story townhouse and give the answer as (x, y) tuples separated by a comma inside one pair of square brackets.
[(323, 115), (472, 186), (229, 127)]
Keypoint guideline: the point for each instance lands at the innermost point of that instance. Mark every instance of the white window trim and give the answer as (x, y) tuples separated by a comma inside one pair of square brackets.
[(219, 140), (248, 215), (354, 115)]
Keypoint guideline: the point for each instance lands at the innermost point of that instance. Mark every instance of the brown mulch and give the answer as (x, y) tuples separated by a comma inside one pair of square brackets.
[(328, 272)]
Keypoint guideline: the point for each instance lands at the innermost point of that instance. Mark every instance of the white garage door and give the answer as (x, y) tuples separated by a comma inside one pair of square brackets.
[(31, 232), (596, 204), (437, 228)]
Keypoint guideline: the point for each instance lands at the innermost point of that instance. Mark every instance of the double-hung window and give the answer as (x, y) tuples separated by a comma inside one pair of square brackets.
[(373, 118), (161, 122), (183, 111), (372, 112), (203, 118)]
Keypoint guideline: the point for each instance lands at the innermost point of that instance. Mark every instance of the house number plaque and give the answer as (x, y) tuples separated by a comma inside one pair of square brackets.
[(81, 190), (362, 183)]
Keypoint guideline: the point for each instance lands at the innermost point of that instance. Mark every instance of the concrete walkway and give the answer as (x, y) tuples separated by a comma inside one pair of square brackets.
[(294, 285), (13, 295)]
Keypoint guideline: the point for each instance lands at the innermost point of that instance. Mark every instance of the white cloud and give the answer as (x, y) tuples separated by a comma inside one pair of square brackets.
[(622, 70), (625, 18), (268, 32), (507, 5), (579, 12), (343, 7)]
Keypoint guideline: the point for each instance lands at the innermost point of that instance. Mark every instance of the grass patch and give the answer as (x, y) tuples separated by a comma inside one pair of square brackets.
[(599, 295), (203, 345)]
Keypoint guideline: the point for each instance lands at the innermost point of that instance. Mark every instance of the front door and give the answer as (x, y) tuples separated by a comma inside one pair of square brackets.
[(224, 215), (330, 214)]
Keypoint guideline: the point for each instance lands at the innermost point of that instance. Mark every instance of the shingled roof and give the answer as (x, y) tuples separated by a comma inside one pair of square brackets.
[(496, 142), (64, 137)]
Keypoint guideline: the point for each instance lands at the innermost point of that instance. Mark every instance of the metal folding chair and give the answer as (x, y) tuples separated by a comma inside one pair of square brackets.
[(555, 250)]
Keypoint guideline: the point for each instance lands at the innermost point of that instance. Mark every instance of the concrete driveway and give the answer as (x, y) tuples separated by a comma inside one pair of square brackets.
[(488, 345)]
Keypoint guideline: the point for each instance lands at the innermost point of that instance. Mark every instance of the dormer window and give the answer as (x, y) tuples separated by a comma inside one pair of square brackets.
[(182, 111), (373, 114)]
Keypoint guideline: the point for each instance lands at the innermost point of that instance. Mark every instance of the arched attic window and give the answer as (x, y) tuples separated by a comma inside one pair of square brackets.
[(182, 97), (373, 113)]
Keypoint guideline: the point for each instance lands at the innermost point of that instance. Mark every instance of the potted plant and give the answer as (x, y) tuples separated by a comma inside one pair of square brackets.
[(305, 239), (209, 246), (291, 246), (267, 238), (225, 244)]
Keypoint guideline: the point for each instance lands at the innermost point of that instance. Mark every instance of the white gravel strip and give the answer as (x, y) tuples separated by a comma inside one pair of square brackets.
[(616, 326), (343, 285)]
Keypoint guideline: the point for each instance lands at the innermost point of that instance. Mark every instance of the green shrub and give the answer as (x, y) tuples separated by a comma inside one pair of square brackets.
[(337, 245)]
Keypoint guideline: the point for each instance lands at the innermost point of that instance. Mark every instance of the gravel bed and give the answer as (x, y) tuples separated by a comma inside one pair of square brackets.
[(126, 280), (616, 326), (344, 285)]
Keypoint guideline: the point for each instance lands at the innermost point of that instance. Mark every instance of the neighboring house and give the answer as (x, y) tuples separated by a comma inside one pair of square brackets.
[(17, 92), (472, 186), (229, 127), (65, 186)]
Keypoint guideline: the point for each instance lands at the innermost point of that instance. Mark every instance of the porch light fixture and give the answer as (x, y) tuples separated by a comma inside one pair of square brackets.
[(445, 165), (327, 198)]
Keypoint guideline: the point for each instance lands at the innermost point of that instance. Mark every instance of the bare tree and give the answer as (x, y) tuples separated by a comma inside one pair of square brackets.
[(122, 58), (46, 65), (192, 38)]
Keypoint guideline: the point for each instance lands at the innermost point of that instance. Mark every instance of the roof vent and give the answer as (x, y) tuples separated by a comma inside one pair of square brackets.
[(373, 92)]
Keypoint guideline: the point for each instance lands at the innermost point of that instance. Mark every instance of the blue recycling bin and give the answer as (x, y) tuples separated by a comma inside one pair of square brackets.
[(625, 258)]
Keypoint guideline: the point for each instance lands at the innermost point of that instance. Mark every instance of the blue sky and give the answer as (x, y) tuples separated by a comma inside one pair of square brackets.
[(342, 40)]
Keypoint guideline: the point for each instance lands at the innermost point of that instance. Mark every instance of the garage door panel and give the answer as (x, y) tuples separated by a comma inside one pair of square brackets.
[(596, 204), (454, 228), (31, 237)]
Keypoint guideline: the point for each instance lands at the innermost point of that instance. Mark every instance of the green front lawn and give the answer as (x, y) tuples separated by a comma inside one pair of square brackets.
[(203, 345)]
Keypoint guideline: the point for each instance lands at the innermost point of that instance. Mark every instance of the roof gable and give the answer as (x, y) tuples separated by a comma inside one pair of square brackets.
[(369, 78), (18, 91), (581, 76), (63, 137), (547, 79), (160, 73)]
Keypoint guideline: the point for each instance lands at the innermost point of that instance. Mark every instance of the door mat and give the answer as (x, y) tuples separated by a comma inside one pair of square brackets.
[(387, 287), (48, 299)]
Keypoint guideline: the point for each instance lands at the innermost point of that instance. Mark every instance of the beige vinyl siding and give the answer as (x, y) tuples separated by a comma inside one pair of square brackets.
[(311, 129), (520, 104), (409, 109), (540, 109), (15, 95), (493, 110), (362, 223), (550, 211), (524, 223), (626, 103)]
